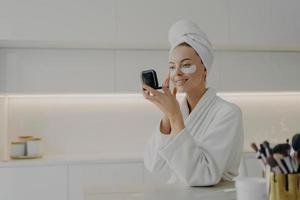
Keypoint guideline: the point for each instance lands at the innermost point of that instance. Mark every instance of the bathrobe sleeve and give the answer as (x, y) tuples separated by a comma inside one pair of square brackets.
[(152, 160), (202, 162)]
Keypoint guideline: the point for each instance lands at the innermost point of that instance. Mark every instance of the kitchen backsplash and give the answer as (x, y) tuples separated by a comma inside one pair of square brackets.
[(2, 127), (122, 123)]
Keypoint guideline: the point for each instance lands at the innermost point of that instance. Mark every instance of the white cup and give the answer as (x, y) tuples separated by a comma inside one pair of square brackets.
[(17, 149), (34, 147), (249, 188)]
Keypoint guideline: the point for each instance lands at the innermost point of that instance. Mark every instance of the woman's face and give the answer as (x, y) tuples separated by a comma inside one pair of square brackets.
[(186, 69)]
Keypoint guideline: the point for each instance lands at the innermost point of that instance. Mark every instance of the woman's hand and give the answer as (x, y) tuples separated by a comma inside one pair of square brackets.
[(167, 103)]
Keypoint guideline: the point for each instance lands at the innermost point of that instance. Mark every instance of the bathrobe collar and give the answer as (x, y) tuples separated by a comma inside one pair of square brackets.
[(207, 98)]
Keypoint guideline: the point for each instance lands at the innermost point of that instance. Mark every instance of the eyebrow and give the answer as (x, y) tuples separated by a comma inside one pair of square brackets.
[(180, 61)]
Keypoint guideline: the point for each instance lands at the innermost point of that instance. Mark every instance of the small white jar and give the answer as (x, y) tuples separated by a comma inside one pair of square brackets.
[(34, 147), (249, 188), (17, 149)]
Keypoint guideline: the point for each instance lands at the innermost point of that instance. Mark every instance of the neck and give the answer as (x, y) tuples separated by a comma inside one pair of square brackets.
[(194, 96)]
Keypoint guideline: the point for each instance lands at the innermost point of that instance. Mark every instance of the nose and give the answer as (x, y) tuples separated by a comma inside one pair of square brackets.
[(178, 71)]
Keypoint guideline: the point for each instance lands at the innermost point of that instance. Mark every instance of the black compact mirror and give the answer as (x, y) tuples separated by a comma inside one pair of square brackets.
[(149, 77)]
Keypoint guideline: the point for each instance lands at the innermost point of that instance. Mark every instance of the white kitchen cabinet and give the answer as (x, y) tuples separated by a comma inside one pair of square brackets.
[(259, 71), (57, 23), (34, 183), (71, 179), (91, 177), (2, 73), (59, 71), (244, 71), (249, 22), (284, 22), (267, 24), (63, 71), (146, 23), (264, 23)]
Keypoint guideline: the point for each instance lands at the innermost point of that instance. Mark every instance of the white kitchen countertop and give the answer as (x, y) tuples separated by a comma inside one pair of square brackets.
[(74, 159), (222, 191), (82, 159)]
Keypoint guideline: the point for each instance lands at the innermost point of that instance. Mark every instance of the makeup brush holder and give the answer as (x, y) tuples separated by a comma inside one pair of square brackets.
[(284, 186)]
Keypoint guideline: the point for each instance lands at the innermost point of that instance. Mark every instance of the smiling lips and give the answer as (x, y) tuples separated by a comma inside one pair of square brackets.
[(180, 81)]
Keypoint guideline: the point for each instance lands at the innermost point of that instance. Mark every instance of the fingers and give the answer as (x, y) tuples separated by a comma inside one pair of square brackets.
[(174, 91), (151, 90), (151, 94), (166, 90), (165, 86), (166, 82), (147, 95)]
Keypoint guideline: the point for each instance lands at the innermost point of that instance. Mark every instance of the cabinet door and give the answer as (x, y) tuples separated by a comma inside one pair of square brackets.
[(59, 71), (34, 183), (142, 25), (259, 71), (269, 23), (60, 23), (2, 73), (92, 179)]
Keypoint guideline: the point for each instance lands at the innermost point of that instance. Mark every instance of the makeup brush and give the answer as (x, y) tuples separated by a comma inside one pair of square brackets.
[(263, 162), (278, 158), (298, 160), (282, 149), (267, 148), (290, 147), (270, 159), (255, 148), (273, 164), (296, 142), (262, 150)]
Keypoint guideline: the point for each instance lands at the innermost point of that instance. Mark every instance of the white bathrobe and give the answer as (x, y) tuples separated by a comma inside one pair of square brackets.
[(207, 150)]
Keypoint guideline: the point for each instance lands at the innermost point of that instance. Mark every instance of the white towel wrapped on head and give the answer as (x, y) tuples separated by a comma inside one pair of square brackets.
[(188, 32)]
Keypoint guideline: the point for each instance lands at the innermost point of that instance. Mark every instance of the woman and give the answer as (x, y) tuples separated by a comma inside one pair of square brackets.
[(201, 140)]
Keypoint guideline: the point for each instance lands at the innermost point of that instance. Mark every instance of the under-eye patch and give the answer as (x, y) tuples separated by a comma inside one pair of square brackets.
[(186, 69)]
